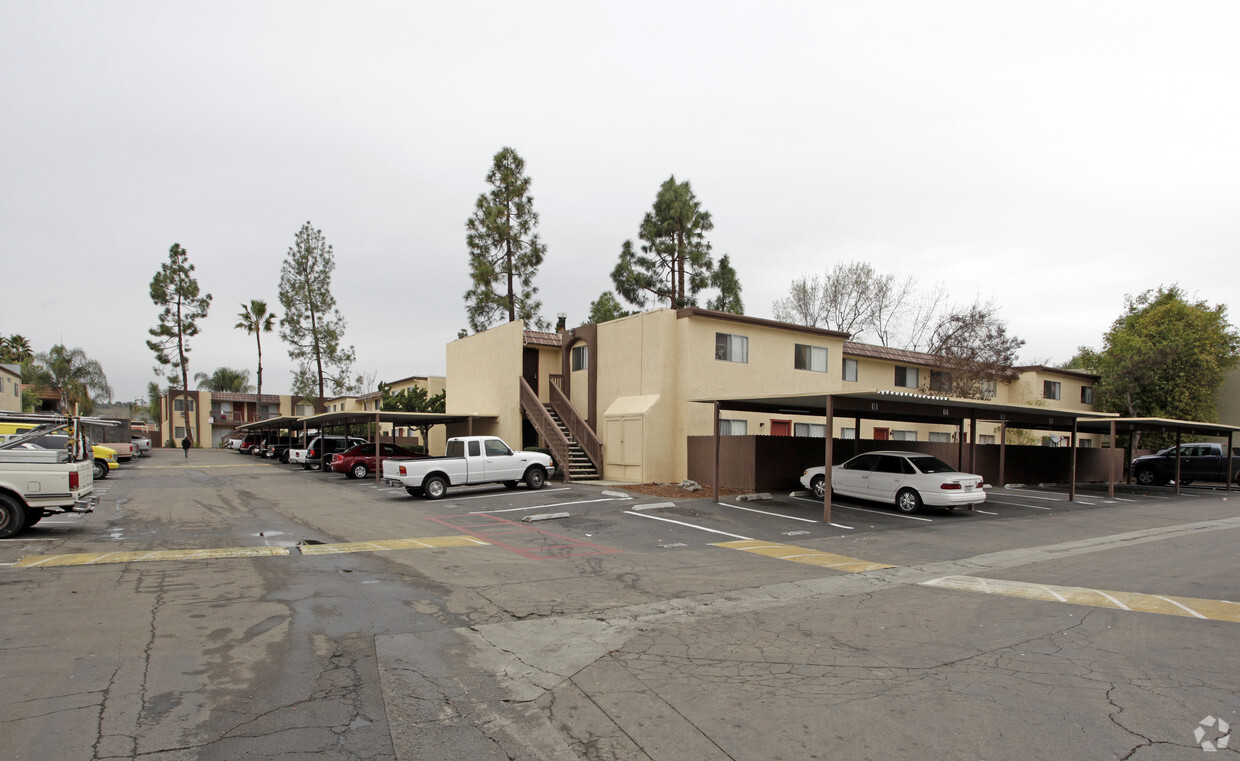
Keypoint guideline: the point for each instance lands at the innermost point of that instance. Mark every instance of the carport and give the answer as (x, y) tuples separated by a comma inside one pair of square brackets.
[(1181, 428), (398, 419), (275, 424), (911, 408)]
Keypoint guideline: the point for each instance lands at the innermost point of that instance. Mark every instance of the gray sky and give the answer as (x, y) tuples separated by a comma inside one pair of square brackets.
[(1053, 156)]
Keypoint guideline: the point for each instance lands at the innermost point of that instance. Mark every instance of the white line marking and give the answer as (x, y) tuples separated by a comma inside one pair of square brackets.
[(984, 512), (1176, 604), (880, 512), (6, 565), (496, 491), (764, 512), (688, 525), (1077, 501), (1118, 604), (1015, 493), (1056, 595), (540, 507), (1017, 504)]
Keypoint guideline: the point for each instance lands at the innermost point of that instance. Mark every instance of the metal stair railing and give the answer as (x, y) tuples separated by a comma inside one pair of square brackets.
[(582, 433), (538, 416)]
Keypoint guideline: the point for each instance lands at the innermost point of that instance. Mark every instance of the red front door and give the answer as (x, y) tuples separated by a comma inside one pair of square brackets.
[(882, 434), (781, 427)]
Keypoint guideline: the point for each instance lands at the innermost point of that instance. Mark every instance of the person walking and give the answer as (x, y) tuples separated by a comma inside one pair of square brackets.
[(185, 444)]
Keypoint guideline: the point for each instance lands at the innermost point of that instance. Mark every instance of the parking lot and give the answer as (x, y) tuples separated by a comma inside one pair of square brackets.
[(225, 606)]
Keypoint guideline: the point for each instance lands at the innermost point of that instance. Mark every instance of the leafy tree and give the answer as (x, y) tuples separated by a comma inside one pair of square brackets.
[(674, 262), (74, 376), (504, 248), (225, 379), (724, 278), (256, 320), (412, 399), (153, 397), (604, 309), (175, 289), (15, 349), (1164, 356), (312, 326), (974, 350)]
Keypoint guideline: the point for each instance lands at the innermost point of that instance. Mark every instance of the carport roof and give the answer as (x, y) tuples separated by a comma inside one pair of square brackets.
[(409, 419), (909, 407), (274, 423), (1157, 425)]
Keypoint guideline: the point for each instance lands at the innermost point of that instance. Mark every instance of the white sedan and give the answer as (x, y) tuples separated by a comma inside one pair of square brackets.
[(907, 480)]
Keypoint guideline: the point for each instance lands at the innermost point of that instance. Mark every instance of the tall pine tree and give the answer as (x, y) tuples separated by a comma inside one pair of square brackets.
[(175, 289), (505, 251), (312, 326), (674, 262)]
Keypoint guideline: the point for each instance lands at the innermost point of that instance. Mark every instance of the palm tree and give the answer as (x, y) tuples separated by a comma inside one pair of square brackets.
[(255, 319), (225, 379), (15, 349), (74, 375)]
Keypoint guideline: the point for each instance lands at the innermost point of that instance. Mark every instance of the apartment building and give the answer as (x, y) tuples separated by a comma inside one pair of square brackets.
[(633, 382), (10, 388)]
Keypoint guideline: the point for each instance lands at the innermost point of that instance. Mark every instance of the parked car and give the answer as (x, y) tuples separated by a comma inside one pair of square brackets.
[(275, 447), (248, 443), (469, 460), (234, 442), (1198, 462), (359, 461), (296, 456), (325, 445), (141, 444), (907, 480)]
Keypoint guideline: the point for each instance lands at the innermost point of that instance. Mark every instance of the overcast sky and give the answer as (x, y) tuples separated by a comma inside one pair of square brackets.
[(1052, 156)]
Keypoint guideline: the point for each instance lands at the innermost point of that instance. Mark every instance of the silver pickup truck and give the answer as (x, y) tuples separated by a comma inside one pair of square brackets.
[(469, 460)]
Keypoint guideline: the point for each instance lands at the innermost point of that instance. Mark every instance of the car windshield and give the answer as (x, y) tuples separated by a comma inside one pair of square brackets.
[(931, 465)]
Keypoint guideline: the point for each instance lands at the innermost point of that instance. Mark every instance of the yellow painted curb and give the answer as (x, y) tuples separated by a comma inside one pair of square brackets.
[(802, 555), (392, 544)]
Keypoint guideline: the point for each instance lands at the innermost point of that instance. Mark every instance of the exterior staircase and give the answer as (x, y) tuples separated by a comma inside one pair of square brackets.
[(580, 467)]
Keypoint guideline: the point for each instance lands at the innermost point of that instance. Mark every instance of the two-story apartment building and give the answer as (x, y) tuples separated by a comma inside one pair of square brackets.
[(10, 388), (633, 380)]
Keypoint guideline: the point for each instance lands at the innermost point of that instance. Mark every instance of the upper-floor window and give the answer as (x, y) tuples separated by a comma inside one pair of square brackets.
[(813, 358), (304, 410), (906, 377), (940, 380), (579, 358), (850, 370), (731, 348), (990, 388), (1087, 394), (1050, 389), (733, 428), (180, 405)]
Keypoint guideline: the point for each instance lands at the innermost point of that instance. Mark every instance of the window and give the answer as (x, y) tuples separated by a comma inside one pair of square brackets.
[(940, 380), (848, 433), (304, 409), (178, 433), (985, 438), (906, 377), (731, 348), (496, 448), (989, 388), (812, 430), (850, 370), (1087, 394), (1050, 389), (941, 437), (1086, 443), (732, 428), (904, 435), (181, 405), (812, 358), (891, 465), (580, 357)]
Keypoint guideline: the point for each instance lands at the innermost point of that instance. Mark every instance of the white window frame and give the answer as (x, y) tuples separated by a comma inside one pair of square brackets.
[(732, 347), (850, 370), (848, 433), (941, 437), (580, 358), (904, 435), (906, 371), (1087, 395), (814, 358), (809, 430), (730, 427), (985, 438), (990, 388), (1052, 390)]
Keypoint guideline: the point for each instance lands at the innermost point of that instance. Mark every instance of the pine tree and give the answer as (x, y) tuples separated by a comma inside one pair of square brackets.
[(505, 251), (175, 289), (674, 263)]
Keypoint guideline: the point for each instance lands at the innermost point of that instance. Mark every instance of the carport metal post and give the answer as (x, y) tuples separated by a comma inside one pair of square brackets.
[(826, 472), (973, 443), (1002, 452), (378, 453), (1111, 466), (1072, 467), (960, 444), (1129, 449), (715, 476), (1230, 457), (856, 436), (1177, 460)]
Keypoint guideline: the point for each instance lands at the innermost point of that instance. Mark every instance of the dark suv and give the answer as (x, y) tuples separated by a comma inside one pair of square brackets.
[(324, 445)]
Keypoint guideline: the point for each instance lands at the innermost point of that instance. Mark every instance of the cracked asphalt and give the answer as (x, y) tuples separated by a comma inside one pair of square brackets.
[(608, 635)]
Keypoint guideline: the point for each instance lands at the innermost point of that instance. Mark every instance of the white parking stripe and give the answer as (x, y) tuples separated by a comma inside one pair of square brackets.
[(493, 493), (1178, 605), (687, 525), (1016, 493), (1017, 504), (880, 512), (764, 512), (540, 507)]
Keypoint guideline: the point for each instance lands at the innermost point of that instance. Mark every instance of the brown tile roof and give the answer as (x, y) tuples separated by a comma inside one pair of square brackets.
[(232, 396), (539, 338), (892, 355)]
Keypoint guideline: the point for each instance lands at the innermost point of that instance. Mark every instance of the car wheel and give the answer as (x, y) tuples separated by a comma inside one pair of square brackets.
[(819, 486), (1145, 477), (305, 466), (34, 515), (284, 457), (360, 471), (908, 501), (12, 516), (100, 470), (535, 478), (434, 487)]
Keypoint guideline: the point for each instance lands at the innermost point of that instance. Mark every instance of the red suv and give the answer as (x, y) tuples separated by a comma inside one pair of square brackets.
[(359, 461)]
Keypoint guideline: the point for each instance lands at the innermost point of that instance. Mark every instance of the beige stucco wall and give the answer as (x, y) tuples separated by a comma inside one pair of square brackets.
[(1228, 402), (483, 371), (10, 388)]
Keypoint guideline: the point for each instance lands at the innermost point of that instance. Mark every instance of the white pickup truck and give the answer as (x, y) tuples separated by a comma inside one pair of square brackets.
[(469, 460), (37, 482)]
